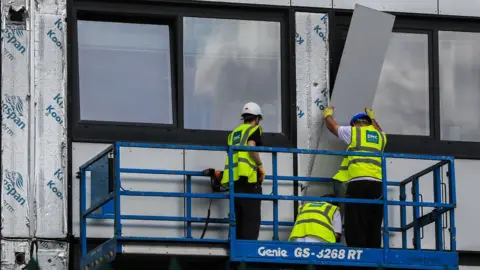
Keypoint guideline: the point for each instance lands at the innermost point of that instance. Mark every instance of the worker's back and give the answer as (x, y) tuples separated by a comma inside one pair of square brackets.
[(317, 222)]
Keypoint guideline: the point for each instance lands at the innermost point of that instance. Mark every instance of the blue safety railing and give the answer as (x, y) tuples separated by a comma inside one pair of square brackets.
[(106, 170)]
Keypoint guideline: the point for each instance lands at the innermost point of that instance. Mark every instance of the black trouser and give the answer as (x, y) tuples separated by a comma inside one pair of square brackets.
[(363, 222), (247, 211)]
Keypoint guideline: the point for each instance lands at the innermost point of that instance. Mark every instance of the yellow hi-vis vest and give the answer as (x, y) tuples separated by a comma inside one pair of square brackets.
[(315, 219), (364, 139), (243, 164)]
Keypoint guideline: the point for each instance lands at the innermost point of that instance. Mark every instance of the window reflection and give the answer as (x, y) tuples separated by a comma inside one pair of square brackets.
[(124, 72), (459, 86), (402, 98), (228, 63)]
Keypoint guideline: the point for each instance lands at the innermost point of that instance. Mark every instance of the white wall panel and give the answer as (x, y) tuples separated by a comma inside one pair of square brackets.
[(409, 6), (285, 208), (464, 267), (312, 3), (459, 7), (140, 159), (9, 250), (53, 255), (200, 160), (258, 2), (467, 223), (398, 170), (51, 127), (467, 218)]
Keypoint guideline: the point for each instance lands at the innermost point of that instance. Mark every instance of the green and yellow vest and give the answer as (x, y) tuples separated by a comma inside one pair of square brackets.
[(364, 139), (315, 219), (243, 164)]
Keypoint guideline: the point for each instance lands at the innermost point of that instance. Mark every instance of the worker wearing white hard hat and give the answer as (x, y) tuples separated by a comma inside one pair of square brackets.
[(248, 172)]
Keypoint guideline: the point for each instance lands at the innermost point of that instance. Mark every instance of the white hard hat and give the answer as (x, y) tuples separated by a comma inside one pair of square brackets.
[(251, 108)]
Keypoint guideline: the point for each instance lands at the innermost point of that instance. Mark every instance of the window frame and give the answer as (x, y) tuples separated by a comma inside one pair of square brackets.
[(430, 145), (172, 14)]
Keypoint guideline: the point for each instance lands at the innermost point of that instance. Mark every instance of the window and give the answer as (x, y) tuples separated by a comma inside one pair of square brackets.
[(428, 95), (459, 58), (178, 73), (124, 72), (228, 63), (402, 99)]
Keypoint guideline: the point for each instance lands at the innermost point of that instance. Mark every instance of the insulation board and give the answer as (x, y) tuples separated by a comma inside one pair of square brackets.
[(312, 75), (16, 128), (50, 126), (356, 82)]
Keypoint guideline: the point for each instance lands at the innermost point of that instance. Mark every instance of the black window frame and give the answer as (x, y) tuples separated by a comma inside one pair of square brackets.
[(430, 145), (171, 14)]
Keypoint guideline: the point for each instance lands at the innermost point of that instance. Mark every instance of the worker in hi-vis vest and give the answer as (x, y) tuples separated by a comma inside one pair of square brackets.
[(248, 172), (317, 222), (363, 176)]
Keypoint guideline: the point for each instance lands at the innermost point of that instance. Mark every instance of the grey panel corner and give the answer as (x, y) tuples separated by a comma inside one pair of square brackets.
[(407, 6), (312, 3), (469, 8), (258, 2), (362, 60)]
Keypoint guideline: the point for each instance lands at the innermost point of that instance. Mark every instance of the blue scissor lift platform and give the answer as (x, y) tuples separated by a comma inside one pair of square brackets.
[(105, 186)]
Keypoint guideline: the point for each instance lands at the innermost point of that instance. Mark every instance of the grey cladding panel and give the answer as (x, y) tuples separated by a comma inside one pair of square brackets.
[(259, 2), (459, 7), (408, 6), (357, 78), (312, 3)]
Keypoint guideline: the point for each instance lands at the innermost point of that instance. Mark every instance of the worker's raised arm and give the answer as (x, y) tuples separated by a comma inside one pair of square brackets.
[(329, 121), (371, 114)]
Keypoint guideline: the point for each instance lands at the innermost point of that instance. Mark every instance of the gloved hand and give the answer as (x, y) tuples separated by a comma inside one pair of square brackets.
[(328, 111), (261, 174), (370, 113)]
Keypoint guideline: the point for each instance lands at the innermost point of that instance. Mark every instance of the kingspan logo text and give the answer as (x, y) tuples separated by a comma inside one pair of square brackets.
[(12, 37), (54, 35), (13, 184), (12, 109), (52, 185), (53, 112)]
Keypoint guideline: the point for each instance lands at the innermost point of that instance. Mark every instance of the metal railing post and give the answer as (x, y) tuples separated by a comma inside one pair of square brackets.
[(453, 200), (189, 206), (386, 242), (83, 208), (437, 194), (233, 236), (275, 192), (116, 197), (403, 215)]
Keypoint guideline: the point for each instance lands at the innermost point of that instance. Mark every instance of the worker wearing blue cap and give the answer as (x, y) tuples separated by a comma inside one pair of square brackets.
[(363, 176)]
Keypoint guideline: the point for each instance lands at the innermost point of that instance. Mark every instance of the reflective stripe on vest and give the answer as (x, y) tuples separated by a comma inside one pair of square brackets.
[(243, 164), (357, 166), (303, 228)]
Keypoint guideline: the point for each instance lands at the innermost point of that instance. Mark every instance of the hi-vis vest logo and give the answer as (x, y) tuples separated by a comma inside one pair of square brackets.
[(372, 137), (12, 110), (236, 137), (317, 204), (13, 184)]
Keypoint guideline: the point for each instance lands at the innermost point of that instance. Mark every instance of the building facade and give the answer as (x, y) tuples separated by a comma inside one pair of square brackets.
[(78, 75)]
